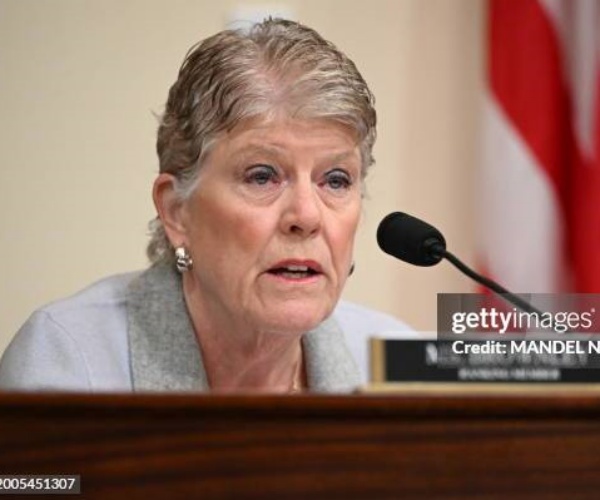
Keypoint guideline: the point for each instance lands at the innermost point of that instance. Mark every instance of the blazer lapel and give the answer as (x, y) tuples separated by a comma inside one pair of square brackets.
[(329, 365), (165, 355)]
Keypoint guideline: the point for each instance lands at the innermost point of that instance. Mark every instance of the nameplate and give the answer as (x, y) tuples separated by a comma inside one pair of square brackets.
[(474, 361)]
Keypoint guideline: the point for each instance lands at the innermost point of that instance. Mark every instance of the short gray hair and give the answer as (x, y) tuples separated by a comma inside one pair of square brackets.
[(236, 75)]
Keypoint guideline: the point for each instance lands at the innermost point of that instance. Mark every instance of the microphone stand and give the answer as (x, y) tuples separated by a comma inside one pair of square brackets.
[(439, 251)]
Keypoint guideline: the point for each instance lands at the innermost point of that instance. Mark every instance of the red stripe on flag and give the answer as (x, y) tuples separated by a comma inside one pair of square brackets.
[(583, 212), (583, 217)]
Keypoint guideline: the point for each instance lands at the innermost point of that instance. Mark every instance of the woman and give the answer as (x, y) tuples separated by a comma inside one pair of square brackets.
[(263, 149)]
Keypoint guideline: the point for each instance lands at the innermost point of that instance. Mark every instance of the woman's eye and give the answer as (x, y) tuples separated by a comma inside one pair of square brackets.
[(261, 175), (338, 180)]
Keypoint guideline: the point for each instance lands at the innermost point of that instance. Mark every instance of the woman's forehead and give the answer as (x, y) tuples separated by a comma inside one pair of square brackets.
[(275, 132)]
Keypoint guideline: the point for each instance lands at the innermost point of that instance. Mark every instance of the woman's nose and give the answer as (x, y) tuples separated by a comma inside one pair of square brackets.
[(302, 211)]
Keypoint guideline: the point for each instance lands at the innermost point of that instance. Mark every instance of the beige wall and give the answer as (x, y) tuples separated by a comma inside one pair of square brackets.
[(80, 80)]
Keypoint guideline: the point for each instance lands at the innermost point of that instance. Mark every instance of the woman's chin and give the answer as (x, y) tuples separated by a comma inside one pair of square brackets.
[(295, 318)]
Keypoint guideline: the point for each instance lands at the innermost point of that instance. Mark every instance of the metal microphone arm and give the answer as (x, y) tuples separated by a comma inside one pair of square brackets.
[(439, 251)]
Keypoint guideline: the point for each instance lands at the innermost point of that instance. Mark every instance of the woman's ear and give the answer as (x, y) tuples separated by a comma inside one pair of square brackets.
[(170, 209)]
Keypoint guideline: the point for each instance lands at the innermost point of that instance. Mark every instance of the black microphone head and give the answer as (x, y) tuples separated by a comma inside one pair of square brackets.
[(410, 239)]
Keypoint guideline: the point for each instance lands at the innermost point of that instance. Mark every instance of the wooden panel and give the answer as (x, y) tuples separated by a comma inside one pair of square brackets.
[(421, 446)]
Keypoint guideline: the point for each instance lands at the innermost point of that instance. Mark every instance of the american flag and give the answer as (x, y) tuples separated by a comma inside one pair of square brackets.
[(541, 176)]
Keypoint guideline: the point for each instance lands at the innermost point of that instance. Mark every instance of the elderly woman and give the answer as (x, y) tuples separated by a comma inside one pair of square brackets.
[(264, 146)]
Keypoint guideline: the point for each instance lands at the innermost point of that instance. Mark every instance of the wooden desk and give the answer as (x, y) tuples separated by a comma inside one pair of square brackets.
[(372, 446)]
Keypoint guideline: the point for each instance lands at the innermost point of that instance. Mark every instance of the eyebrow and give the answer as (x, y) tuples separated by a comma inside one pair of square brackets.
[(343, 156)]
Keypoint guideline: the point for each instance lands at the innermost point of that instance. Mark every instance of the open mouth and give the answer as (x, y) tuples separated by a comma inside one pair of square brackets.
[(294, 272)]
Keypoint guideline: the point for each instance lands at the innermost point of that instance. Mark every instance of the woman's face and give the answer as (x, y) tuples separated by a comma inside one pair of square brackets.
[(271, 224)]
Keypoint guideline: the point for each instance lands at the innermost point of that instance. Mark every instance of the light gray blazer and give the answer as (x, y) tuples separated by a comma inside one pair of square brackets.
[(132, 333)]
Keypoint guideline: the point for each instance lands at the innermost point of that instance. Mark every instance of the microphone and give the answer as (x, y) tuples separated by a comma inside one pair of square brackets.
[(410, 239), (416, 242)]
